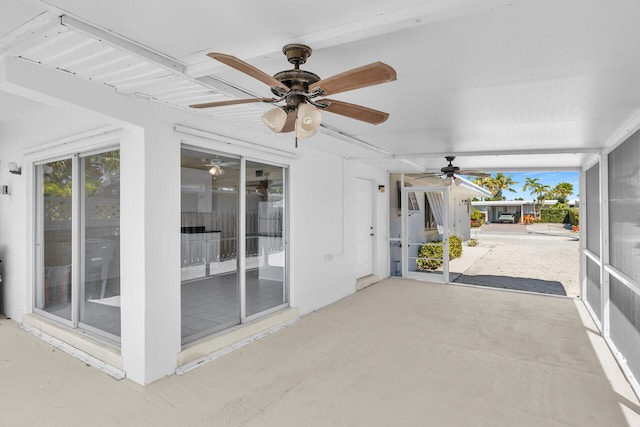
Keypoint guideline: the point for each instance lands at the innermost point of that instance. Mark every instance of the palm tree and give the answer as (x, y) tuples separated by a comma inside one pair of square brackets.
[(531, 184), (482, 181), (541, 191), (562, 191), (499, 183)]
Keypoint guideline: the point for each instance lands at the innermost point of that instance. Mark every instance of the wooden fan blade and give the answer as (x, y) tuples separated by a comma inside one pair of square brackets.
[(354, 111), (473, 173), (428, 175), (248, 69), (367, 75), (231, 102), (290, 124)]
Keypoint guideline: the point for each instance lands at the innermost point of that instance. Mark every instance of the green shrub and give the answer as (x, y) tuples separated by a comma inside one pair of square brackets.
[(553, 215), (560, 216), (430, 254), (573, 216), (455, 247), (477, 215)]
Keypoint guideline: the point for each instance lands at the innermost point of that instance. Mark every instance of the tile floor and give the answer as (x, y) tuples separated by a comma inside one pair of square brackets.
[(213, 304), (208, 305)]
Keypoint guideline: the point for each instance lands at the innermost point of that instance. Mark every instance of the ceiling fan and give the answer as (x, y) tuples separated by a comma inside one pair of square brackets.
[(450, 172), (298, 89), (214, 166)]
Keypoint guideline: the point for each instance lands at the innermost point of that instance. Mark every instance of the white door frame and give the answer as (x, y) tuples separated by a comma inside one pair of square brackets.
[(445, 233), (372, 230)]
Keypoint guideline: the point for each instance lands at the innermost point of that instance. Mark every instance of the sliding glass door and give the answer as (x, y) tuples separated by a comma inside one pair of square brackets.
[(54, 204), (265, 252), (100, 241), (209, 243), (216, 294), (78, 241)]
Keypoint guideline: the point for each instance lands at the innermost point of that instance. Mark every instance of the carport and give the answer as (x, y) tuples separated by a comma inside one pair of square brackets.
[(502, 85)]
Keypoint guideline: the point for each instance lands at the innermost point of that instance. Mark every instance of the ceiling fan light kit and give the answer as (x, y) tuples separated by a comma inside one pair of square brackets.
[(216, 170), (298, 89), (309, 117), (275, 119), (301, 132)]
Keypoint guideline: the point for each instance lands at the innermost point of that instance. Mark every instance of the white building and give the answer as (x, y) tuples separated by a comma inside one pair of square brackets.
[(118, 242)]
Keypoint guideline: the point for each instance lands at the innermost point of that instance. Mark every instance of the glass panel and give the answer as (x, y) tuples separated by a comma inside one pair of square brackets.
[(209, 243), (53, 293), (100, 207), (395, 224), (265, 207), (425, 243), (625, 323), (593, 209), (624, 207), (593, 287), (395, 253)]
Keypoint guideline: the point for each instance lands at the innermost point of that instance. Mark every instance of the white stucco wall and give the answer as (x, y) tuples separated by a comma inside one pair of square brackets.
[(323, 227)]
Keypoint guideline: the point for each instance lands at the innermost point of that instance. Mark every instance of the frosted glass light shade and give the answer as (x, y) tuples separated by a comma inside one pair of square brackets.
[(309, 117), (301, 132), (275, 119)]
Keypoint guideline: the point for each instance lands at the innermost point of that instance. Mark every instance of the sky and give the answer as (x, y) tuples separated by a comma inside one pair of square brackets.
[(548, 178)]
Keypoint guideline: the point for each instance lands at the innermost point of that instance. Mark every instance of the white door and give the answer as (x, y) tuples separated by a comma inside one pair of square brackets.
[(364, 224)]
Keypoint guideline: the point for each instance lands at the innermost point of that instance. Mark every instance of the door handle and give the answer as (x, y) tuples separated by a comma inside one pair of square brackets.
[(371, 234)]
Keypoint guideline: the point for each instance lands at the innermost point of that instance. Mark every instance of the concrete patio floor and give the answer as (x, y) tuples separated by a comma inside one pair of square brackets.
[(398, 353), (544, 258)]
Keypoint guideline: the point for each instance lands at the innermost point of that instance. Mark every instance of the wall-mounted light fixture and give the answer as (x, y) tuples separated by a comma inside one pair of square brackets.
[(14, 168), (381, 188)]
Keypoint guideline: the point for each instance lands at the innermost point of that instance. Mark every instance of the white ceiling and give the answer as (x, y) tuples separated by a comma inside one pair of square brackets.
[(502, 84)]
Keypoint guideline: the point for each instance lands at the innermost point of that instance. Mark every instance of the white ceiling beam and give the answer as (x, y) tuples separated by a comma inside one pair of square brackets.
[(29, 35), (499, 153), (118, 41), (337, 133)]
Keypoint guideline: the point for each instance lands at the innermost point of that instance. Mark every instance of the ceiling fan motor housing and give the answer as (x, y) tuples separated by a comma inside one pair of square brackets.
[(297, 54), (296, 79)]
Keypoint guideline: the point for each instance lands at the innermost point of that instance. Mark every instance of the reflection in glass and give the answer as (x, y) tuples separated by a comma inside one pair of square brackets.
[(100, 206), (265, 198), (53, 293), (210, 298)]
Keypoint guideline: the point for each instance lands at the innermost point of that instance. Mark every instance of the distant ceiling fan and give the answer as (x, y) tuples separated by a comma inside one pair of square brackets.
[(298, 90), (450, 172), (214, 166)]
